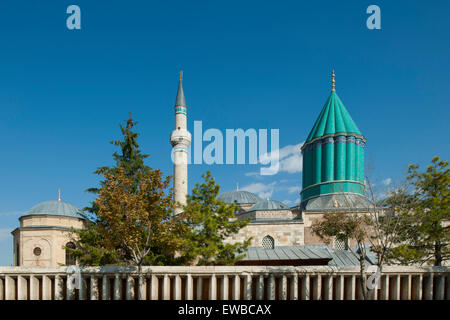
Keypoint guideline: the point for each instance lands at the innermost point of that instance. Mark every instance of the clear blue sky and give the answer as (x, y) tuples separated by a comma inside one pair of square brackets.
[(247, 64)]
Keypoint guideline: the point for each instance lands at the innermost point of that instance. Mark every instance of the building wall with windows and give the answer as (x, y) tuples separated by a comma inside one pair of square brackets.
[(284, 233), (44, 232), (41, 247)]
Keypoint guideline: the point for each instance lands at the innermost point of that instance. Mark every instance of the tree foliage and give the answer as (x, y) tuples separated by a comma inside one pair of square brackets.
[(345, 226), (208, 222), (132, 215), (424, 215), (133, 220)]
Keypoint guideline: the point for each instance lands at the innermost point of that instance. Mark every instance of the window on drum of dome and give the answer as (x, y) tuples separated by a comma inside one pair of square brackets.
[(268, 242), (70, 260), (37, 251)]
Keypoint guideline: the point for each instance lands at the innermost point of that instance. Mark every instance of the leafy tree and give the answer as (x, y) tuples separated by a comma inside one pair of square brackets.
[(345, 226), (382, 222), (208, 222), (132, 216), (136, 215), (424, 214)]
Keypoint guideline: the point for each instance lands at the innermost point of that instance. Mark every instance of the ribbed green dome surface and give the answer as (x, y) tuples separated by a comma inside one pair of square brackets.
[(333, 119), (333, 154), (56, 208)]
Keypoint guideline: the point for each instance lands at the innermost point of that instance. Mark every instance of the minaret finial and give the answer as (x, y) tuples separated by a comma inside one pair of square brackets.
[(59, 194), (180, 101), (332, 81), (237, 186)]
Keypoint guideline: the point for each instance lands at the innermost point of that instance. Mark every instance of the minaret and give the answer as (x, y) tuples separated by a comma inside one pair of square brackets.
[(180, 140)]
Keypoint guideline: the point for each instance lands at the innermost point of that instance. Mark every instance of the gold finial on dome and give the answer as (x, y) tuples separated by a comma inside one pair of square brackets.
[(332, 81), (59, 195)]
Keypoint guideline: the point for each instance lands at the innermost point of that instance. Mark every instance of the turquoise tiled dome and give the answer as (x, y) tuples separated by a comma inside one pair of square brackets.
[(334, 118), (333, 154), (56, 208), (239, 197)]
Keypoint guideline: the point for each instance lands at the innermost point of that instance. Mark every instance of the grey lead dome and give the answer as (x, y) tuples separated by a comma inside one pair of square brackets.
[(56, 208), (239, 197), (269, 205)]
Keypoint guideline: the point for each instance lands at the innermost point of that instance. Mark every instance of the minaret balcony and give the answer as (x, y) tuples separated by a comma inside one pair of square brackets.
[(180, 136)]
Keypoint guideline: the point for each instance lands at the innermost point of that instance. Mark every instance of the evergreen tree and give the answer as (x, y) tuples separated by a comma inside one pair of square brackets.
[(208, 222), (131, 158), (132, 216)]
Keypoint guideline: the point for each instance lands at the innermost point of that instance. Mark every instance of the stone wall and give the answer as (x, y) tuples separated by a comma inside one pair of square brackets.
[(268, 214), (284, 233)]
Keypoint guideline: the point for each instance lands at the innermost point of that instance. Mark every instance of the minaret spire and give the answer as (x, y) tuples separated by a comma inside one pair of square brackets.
[(180, 101), (59, 195)]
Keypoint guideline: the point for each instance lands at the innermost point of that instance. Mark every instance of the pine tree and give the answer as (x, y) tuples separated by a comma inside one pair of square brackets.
[(131, 158), (208, 222), (132, 215)]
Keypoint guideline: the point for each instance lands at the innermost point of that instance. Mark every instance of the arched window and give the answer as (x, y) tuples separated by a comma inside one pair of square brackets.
[(268, 242), (70, 260), (340, 244)]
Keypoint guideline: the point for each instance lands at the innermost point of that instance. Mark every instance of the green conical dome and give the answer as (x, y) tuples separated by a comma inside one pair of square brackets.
[(333, 154), (333, 118)]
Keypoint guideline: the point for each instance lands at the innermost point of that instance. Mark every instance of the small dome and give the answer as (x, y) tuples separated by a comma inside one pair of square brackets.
[(239, 197), (56, 208), (269, 205)]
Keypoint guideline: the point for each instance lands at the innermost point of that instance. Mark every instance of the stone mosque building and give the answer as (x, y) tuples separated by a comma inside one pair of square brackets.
[(332, 180)]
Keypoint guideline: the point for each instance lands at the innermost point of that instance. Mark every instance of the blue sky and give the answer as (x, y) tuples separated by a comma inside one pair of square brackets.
[(247, 64)]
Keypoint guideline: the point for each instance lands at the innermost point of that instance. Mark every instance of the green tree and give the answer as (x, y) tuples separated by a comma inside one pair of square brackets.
[(345, 226), (424, 214), (130, 158), (208, 222), (132, 216)]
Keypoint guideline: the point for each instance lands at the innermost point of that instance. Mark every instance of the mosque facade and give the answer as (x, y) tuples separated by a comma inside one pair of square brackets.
[(332, 180)]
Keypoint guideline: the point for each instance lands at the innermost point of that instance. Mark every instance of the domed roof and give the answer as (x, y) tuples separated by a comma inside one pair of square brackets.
[(56, 208), (333, 118), (269, 205), (239, 197)]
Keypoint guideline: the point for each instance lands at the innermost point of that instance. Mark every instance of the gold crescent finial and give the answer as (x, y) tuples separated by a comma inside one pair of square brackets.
[(181, 75), (59, 194), (332, 81)]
